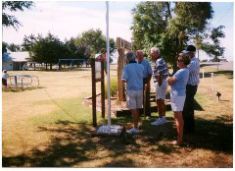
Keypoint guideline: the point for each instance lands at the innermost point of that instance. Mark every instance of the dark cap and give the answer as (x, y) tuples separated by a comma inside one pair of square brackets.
[(191, 48)]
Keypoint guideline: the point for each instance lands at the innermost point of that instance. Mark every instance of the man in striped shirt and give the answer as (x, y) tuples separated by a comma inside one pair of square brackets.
[(160, 74), (191, 89), (146, 81)]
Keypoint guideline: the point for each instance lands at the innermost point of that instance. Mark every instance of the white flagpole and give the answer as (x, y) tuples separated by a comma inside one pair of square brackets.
[(108, 66), (109, 129)]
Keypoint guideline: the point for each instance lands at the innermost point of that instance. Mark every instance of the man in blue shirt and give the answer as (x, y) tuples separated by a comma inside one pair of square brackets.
[(147, 77), (191, 89), (133, 75)]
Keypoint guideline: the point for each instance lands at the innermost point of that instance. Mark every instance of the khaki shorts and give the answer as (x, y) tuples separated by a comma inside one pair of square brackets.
[(161, 90), (134, 99)]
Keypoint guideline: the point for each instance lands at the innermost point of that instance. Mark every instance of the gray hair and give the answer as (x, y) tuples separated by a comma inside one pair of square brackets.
[(155, 49), (130, 56)]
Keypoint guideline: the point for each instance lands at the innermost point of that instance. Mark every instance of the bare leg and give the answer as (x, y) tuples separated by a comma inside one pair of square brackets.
[(161, 107), (179, 126), (135, 115)]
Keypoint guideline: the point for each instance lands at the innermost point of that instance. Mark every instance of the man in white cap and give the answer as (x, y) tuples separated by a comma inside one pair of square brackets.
[(191, 89)]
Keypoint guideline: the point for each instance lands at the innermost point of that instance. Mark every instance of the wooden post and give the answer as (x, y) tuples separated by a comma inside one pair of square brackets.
[(102, 91), (122, 45), (147, 107), (93, 92), (15, 78), (121, 63)]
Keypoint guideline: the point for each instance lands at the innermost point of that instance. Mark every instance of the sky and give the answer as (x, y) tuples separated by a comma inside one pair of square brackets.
[(66, 19)]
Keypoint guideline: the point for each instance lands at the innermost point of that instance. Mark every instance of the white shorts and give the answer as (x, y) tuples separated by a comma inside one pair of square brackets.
[(134, 99), (177, 103), (161, 90)]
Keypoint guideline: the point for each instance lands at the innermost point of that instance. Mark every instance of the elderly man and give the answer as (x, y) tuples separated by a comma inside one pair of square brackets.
[(147, 77), (160, 74), (191, 89), (133, 75)]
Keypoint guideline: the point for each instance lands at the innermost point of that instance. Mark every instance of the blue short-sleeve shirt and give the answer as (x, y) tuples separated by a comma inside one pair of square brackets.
[(133, 74), (147, 68), (179, 87)]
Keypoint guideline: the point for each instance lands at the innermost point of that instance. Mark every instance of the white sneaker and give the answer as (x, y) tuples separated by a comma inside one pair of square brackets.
[(159, 121), (133, 131)]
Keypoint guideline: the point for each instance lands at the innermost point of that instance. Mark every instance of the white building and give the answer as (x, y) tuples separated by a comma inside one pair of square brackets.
[(15, 60)]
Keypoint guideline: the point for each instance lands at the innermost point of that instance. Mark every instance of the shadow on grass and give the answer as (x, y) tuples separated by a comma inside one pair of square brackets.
[(197, 106), (19, 89), (72, 144), (214, 135)]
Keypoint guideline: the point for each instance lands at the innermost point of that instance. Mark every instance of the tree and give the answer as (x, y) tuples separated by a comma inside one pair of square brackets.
[(12, 6), (91, 42), (14, 48), (4, 47), (169, 27), (45, 50), (149, 22), (214, 49)]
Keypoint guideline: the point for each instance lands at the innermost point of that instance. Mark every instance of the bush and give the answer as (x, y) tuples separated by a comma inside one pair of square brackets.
[(113, 87)]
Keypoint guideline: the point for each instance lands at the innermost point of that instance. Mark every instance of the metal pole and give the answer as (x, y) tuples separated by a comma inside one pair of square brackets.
[(108, 66)]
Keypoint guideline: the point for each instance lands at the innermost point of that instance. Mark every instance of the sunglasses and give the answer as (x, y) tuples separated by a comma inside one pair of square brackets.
[(178, 60)]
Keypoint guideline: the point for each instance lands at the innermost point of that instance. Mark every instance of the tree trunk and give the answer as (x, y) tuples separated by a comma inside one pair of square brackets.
[(50, 66), (121, 63)]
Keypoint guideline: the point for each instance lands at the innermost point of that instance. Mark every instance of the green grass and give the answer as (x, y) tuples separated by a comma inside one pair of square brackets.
[(113, 87), (71, 110)]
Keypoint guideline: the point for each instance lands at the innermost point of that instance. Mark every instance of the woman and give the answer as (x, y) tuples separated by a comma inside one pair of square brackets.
[(178, 84)]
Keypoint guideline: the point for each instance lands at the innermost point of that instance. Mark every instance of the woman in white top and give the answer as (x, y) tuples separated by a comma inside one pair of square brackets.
[(178, 84)]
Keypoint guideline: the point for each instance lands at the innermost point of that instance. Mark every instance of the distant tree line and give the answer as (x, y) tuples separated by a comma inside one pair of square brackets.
[(50, 49)]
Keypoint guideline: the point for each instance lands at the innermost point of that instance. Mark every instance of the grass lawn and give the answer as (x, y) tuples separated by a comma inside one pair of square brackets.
[(52, 127)]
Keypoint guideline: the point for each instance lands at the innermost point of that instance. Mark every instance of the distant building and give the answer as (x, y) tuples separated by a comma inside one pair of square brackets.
[(15, 60)]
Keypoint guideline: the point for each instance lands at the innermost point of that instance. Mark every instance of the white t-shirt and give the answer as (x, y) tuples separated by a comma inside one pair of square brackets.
[(4, 76)]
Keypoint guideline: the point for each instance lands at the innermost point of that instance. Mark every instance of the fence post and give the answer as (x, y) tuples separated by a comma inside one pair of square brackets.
[(93, 92), (15, 77), (102, 90)]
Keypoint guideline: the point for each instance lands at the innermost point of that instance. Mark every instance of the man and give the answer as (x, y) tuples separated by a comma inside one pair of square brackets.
[(133, 75), (160, 74), (4, 78), (191, 89), (147, 77)]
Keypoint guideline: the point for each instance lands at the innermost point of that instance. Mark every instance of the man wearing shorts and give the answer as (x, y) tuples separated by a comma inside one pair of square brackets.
[(160, 74), (147, 77), (133, 75)]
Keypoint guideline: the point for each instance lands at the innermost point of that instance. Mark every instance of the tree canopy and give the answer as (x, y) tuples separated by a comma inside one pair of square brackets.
[(45, 49), (92, 41), (50, 49), (171, 26), (12, 6)]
